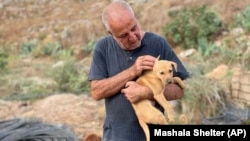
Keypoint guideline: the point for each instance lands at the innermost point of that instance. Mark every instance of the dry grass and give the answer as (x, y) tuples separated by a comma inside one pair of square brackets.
[(30, 19)]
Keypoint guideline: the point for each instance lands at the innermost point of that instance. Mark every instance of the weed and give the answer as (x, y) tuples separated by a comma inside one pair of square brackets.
[(28, 47), (3, 59), (243, 19), (68, 78)]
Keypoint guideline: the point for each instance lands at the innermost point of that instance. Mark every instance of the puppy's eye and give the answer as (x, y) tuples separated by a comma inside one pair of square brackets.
[(161, 72), (170, 71)]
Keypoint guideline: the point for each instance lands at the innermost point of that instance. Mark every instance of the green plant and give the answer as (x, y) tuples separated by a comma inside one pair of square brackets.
[(190, 24), (203, 97), (3, 59), (206, 48), (63, 54), (88, 48), (42, 36), (243, 19), (47, 49), (68, 78), (27, 89), (28, 47), (238, 54), (51, 48)]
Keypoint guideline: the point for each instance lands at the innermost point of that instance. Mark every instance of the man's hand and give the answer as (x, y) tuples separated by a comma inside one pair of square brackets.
[(145, 62), (135, 92)]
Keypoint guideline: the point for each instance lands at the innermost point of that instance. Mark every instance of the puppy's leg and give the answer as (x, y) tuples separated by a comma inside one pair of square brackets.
[(151, 115), (179, 81), (155, 117), (145, 129), (164, 103)]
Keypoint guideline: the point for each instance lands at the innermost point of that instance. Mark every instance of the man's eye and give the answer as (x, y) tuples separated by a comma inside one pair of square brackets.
[(123, 36)]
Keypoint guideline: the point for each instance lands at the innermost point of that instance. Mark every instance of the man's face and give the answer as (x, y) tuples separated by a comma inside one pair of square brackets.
[(126, 32)]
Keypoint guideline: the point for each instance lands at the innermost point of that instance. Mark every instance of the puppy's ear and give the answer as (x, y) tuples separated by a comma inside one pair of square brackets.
[(174, 65), (158, 58)]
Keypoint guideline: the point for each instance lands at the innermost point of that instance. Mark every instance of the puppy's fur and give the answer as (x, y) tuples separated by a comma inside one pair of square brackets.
[(156, 80)]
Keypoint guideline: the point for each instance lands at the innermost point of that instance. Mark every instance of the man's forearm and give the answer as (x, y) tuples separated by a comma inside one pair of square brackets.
[(173, 92), (110, 86)]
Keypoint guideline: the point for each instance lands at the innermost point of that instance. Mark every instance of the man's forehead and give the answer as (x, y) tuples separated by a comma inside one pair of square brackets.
[(123, 26)]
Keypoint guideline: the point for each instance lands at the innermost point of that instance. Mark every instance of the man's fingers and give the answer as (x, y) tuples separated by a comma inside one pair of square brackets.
[(128, 84), (147, 63)]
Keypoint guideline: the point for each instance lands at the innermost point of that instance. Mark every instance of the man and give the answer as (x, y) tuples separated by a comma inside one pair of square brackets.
[(118, 59)]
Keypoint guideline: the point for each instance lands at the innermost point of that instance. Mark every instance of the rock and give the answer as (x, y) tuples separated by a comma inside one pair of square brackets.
[(218, 72)]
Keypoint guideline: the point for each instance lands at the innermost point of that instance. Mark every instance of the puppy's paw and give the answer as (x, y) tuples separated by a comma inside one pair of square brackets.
[(183, 119), (170, 121), (170, 118), (179, 82)]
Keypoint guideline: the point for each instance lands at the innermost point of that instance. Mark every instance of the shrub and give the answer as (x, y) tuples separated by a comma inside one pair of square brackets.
[(3, 59), (28, 47), (203, 97), (88, 48), (188, 25), (69, 79), (243, 19), (47, 49)]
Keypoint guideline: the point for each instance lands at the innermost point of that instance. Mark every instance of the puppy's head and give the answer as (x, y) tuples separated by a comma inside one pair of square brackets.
[(164, 69)]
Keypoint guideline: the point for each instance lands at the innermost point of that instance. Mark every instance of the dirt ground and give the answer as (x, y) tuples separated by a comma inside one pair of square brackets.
[(79, 112)]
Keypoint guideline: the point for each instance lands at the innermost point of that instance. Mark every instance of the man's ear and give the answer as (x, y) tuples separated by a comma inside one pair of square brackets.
[(109, 32)]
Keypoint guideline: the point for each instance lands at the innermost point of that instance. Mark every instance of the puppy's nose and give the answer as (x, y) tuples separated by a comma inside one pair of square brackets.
[(169, 81)]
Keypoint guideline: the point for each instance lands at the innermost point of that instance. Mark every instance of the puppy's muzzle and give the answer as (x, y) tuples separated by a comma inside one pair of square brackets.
[(169, 81)]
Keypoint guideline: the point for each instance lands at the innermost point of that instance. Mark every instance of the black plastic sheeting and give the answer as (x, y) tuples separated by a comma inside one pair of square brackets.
[(223, 119), (229, 115), (32, 129)]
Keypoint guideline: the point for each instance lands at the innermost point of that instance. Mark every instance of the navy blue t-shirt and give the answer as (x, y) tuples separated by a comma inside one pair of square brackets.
[(121, 123)]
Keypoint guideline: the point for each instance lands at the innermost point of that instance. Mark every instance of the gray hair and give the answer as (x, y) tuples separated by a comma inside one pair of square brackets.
[(122, 4)]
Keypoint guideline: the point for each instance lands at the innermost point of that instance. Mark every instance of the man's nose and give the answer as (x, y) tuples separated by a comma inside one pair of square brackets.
[(131, 36)]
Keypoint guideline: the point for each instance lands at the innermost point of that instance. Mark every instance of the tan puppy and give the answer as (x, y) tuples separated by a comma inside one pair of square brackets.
[(92, 137), (156, 80)]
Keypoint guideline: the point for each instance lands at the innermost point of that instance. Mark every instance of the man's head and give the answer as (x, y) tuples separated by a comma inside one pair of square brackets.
[(120, 22)]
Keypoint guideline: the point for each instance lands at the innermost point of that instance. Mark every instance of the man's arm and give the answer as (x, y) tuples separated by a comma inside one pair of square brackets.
[(173, 91), (107, 87)]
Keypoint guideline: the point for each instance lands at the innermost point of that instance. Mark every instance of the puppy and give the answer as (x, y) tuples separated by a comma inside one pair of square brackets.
[(156, 80), (92, 137)]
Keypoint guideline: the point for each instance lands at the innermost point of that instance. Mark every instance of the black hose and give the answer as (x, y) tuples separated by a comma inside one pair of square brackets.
[(32, 129)]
